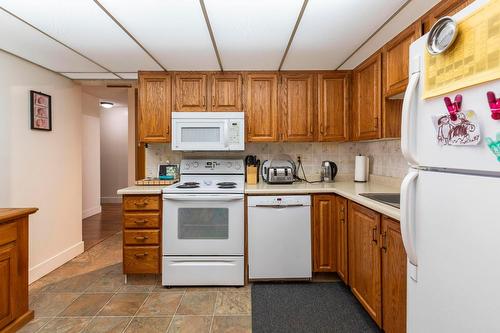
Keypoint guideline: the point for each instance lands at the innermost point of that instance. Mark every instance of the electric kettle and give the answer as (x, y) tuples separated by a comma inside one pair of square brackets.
[(328, 171)]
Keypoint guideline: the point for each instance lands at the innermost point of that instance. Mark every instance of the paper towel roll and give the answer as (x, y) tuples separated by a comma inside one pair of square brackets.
[(361, 168)]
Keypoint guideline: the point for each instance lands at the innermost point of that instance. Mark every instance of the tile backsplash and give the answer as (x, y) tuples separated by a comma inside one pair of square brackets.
[(385, 156)]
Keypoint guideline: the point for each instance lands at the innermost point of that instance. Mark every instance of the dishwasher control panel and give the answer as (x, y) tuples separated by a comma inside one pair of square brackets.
[(276, 200)]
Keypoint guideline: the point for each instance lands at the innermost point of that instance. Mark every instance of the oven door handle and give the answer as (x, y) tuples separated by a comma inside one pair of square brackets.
[(208, 197)]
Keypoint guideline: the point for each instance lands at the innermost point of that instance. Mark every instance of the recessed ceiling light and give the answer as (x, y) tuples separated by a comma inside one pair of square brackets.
[(107, 105)]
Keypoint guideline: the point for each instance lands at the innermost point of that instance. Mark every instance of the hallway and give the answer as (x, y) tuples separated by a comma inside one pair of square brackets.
[(101, 226)]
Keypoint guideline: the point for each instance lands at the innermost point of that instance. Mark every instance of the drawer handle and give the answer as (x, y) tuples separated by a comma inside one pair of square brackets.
[(141, 238), (141, 204), (141, 255), (140, 221)]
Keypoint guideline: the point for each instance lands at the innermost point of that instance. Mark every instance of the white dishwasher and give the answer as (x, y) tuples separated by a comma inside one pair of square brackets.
[(279, 237)]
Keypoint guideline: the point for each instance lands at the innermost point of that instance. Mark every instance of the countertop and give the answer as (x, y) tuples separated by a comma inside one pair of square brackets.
[(347, 189)]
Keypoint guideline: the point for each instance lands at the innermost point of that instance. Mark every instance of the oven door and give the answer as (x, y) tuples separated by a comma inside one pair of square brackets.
[(200, 134), (203, 224)]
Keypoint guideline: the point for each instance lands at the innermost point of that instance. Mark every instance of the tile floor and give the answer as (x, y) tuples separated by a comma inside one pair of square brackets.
[(88, 294)]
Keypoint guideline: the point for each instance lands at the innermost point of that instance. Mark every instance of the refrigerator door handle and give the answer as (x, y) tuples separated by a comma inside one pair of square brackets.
[(406, 124), (408, 220)]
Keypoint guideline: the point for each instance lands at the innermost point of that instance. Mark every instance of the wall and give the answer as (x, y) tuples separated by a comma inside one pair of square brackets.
[(114, 153), (405, 17), (131, 136), (91, 156), (42, 169), (385, 156)]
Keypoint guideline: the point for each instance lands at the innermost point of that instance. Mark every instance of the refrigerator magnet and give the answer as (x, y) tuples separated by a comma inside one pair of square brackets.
[(494, 104), (494, 146), (457, 129)]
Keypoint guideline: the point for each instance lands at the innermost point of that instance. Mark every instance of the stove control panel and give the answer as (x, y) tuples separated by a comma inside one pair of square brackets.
[(212, 166)]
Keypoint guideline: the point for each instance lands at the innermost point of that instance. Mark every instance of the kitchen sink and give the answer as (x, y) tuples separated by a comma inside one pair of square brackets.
[(391, 199)]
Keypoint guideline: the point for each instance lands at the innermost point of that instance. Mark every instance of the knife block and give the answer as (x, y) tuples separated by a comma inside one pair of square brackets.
[(252, 175)]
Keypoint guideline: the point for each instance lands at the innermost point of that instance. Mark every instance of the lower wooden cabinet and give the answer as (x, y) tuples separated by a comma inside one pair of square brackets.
[(341, 238), (393, 277), (324, 249), (365, 259)]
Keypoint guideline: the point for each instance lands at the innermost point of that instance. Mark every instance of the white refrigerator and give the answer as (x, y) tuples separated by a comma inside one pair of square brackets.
[(450, 212)]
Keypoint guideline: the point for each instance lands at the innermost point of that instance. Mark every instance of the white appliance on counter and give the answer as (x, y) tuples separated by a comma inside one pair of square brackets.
[(204, 224), (450, 221), (279, 237), (208, 131)]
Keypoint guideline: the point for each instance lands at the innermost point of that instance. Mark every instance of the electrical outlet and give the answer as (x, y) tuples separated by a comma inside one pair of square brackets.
[(298, 158)]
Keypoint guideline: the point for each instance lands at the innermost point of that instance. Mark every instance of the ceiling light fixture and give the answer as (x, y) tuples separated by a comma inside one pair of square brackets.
[(107, 105)]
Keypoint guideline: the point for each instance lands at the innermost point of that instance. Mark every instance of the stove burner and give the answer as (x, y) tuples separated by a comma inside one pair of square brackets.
[(189, 185), (226, 184)]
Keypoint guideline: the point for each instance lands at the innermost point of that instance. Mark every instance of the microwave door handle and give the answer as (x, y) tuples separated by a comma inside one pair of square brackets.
[(226, 134)]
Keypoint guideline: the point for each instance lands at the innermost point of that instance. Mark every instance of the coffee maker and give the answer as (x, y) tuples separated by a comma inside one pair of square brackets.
[(328, 171)]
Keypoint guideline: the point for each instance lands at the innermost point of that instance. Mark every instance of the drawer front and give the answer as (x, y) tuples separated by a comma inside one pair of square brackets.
[(142, 237), (8, 232), (141, 202), (141, 259), (141, 220)]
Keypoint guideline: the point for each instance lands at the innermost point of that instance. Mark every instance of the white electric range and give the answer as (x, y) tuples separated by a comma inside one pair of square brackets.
[(203, 224)]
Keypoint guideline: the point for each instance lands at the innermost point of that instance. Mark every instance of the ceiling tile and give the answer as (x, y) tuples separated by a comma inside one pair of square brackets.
[(330, 30), (128, 76), (252, 34), (90, 76), (173, 31), (85, 27), (20, 39)]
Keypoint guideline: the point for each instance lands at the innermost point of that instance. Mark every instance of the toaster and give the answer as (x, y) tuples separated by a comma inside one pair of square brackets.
[(278, 173)]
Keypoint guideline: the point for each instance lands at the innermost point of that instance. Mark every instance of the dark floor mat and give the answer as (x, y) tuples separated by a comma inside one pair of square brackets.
[(308, 307)]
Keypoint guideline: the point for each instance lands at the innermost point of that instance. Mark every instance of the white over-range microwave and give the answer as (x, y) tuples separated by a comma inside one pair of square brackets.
[(208, 131)]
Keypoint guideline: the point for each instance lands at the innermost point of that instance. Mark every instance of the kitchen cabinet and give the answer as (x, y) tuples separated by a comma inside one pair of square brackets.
[(297, 107), (366, 112), (155, 107), (226, 92), (190, 92), (365, 259), (341, 238), (443, 8), (333, 106), (324, 233), (393, 277), (14, 301), (262, 107), (142, 234)]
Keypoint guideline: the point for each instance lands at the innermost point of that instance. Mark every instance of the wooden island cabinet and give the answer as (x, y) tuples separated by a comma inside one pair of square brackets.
[(14, 301)]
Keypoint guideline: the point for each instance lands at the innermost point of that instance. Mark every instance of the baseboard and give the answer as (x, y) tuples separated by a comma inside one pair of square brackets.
[(50, 264), (111, 200), (91, 211)]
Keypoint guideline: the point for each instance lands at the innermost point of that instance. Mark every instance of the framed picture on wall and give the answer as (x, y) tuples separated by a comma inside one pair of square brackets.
[(41, 111)]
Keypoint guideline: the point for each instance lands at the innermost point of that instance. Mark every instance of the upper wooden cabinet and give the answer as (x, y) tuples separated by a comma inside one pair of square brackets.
[(190, 92), (333, 106), (297, 107), (324, 249), (262, 107), (226, 92), (443, 8), (341, 238), (366, 112), (393, 277), (395, 55), (155, 107), (365, 259)]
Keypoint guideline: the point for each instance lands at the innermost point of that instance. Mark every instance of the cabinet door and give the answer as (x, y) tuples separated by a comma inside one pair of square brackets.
[(190, 92), (297, 107), (364, 259), (155, 106), (262, 107), (333, 106), (396, 54), (393, 277), (443, 8), (226, 92), (324, 254), (366, 99), (8, 283), (341, 239)]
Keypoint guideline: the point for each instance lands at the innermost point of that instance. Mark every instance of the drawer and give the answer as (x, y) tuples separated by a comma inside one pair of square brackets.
[(8, 232), (141, 220), (142, 237), (141, 202), (141, 259)]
